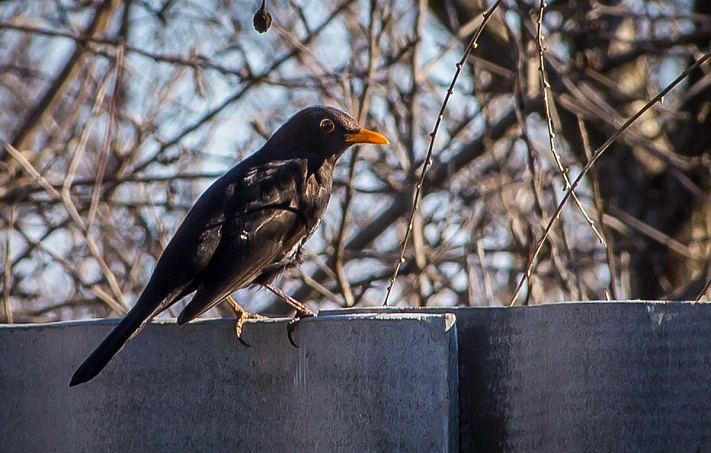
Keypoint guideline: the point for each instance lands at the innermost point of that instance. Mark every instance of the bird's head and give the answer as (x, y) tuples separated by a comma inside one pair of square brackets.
[(319, 132)]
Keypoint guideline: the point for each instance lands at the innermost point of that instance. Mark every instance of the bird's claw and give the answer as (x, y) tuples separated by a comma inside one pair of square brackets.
[(290, 330), (292, 325), (241, 318), (239, 337)]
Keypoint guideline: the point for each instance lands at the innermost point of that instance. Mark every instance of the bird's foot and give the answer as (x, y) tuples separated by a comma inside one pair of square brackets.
[(242, 316), (292, 324), (301, 310)]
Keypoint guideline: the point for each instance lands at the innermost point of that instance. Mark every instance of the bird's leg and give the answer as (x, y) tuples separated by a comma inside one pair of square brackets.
[(242, 316), (301, 310)]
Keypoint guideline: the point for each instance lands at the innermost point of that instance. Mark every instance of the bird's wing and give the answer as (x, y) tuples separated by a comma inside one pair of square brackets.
[(177, 272), (263, 223)]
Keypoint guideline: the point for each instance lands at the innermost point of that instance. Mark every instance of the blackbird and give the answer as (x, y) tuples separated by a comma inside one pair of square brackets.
[(246, 229)]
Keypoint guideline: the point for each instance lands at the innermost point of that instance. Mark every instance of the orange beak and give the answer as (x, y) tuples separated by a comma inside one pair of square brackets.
[(366, 136)]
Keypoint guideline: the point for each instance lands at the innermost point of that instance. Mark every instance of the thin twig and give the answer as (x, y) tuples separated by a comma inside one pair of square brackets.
[(59, 85), (485, 273), (364, 106), (654, 234), (81, 144), (242, 91), (194, 61), (413, 112), (519, 105), (703, 292), (319, 288), (107, 139), (463, 31), (71, 208), (433, 135), (71, 269), (8, 265), (545, 86), (592, 161), (597, 197)]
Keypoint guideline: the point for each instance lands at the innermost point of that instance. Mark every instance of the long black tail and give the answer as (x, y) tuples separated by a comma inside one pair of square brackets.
[(135, 320)]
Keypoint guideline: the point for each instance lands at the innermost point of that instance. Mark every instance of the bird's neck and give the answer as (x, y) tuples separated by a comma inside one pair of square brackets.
[(322, 169), (325, 163)]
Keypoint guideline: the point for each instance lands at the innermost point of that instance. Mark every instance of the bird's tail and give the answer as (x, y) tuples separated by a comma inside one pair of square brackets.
[(144, 310)]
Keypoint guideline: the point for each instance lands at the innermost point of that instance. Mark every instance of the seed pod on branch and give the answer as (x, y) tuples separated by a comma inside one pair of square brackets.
[(262, 19)]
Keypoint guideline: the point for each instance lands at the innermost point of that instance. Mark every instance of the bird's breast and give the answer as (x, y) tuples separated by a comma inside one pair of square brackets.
[(284, 201), (317, 193)]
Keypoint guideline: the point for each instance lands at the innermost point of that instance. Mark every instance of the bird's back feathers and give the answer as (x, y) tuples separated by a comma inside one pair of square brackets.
[(247, 227)]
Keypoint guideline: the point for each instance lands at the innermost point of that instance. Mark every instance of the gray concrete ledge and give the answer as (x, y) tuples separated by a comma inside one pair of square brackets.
[(584, 377), (357, 383)]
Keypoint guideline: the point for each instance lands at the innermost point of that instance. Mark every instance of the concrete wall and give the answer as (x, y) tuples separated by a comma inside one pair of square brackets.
[(585, 377), (558, 378), (357, 383)]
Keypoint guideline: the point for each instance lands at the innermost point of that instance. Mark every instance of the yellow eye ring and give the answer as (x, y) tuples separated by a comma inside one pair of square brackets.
[(327, 126)]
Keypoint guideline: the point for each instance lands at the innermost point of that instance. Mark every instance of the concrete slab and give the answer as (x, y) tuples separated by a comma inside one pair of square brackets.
[(357, 383), (583, 377)]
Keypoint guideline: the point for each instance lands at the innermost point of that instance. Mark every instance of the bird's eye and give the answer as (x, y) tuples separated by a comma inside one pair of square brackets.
[(327, 126)]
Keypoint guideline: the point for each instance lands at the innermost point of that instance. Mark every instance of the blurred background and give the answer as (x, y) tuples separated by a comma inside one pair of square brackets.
[(119, 114)]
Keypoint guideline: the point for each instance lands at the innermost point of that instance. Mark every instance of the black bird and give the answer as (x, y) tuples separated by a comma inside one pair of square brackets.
[(246, 228)]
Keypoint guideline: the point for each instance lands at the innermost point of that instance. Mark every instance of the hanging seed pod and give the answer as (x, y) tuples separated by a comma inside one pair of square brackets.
[(262, 19)]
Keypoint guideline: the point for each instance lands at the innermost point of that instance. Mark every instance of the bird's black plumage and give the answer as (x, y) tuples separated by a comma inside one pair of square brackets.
[(246, 228)]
